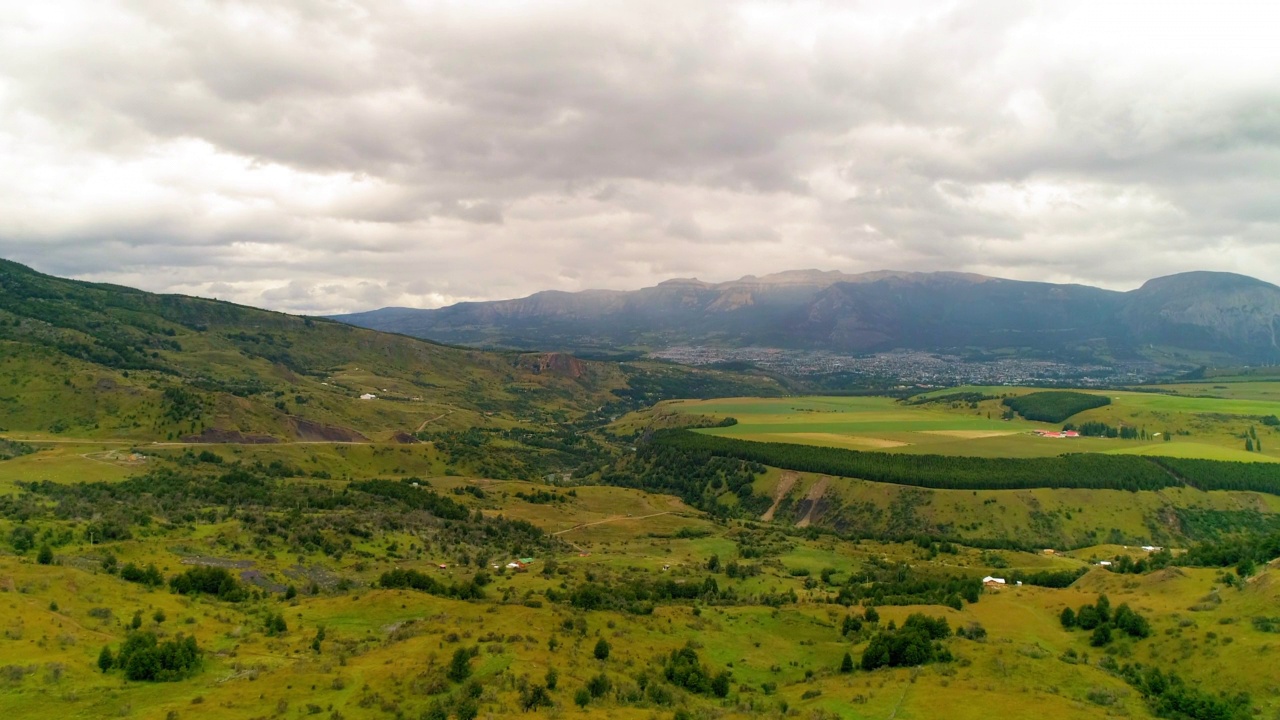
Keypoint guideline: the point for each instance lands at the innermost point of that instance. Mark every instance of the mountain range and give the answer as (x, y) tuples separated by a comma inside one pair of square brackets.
[(1187, 318)]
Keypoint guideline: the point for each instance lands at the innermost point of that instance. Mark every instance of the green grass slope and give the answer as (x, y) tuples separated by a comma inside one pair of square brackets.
[(103, 361)]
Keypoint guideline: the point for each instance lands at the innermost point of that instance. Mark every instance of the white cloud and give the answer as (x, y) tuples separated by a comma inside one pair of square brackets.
[(341, 156)]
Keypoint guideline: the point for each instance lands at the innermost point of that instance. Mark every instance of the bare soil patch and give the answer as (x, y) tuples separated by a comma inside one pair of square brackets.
[(971, 434), (785, 483), (815, 495)]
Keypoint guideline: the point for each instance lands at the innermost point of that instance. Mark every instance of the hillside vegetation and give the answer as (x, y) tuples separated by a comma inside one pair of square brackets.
[(1054, 406), (105, 361)]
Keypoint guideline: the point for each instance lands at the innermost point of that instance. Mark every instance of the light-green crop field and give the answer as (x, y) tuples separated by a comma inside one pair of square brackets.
[(1201, 427)]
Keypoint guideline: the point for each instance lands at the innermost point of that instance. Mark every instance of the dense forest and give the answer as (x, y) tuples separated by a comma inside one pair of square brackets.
[(1054, 406)]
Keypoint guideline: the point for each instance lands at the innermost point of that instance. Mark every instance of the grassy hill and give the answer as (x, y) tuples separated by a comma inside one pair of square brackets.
[(102, 361)]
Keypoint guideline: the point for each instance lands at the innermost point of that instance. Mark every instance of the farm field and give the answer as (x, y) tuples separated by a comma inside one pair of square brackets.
[(1199, 427)]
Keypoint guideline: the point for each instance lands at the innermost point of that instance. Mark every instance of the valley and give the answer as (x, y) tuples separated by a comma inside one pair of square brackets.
[(202, 516)]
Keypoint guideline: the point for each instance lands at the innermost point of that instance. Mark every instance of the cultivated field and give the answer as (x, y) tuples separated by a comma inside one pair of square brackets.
[(1203, 427)]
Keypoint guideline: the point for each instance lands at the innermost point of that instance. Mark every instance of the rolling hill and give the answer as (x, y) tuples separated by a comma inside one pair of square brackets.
[(1228, 316), (94, 360)]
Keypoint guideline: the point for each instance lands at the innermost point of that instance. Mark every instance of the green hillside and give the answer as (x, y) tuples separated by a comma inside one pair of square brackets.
[(102, 361)]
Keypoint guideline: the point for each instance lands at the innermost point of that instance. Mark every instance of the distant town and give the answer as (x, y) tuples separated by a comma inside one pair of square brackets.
[(920, 368)]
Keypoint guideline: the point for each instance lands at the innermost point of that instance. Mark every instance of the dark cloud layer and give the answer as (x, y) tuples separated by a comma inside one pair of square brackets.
[(329, 156)]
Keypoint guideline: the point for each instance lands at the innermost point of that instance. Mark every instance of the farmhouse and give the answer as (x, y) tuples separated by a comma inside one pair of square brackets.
[(993, 582), (368, 396), (1057, 433)]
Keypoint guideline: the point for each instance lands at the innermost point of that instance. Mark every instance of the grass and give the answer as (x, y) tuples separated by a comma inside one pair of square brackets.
[(69, 462), (1048, 518), (381, 642), (1205, 427)]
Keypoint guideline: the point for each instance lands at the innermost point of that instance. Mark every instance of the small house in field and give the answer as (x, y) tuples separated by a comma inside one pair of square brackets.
[(442, 566), (1050, 551), (368, 396), (517, 566), (993, 582)]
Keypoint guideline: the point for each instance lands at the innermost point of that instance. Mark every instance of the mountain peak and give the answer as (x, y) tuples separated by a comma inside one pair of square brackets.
[(1203, 280)]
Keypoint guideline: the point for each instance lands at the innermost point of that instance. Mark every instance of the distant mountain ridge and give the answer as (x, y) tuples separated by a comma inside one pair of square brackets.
[(1226, 315)]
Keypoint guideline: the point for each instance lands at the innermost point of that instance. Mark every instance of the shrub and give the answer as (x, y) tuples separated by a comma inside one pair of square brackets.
[(214, 581), (599, 685), (149, 576), (460, 665), (912, 644), (144, 658)]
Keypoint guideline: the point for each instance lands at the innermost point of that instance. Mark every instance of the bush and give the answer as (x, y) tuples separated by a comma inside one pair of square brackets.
[(912, 644), (22, 538), (214, 581), (598, 685), (534, 697), (1101, 635), (144, 658), (150, 576), (460, 665)]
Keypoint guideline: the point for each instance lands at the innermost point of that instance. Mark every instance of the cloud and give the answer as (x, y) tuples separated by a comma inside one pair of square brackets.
[(326, 157)]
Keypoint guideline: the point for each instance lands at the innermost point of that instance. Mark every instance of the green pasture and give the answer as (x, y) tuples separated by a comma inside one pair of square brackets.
[(1200, 427)]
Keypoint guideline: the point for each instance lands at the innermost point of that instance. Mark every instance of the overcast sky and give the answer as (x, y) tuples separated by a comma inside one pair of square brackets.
[(331, 156)]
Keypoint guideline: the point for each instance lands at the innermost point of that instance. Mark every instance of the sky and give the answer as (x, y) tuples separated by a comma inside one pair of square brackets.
[(330, 156)]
